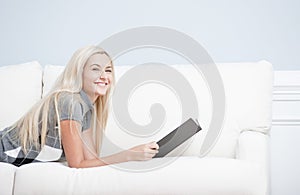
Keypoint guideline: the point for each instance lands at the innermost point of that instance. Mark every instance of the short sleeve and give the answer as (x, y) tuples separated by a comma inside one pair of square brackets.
[(70, 108)]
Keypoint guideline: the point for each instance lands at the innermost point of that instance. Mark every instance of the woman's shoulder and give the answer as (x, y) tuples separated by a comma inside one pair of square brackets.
[(68, 95), (68, 98), (70, 104)]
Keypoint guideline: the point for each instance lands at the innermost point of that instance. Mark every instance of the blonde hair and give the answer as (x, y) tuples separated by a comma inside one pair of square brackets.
[(69, 81)]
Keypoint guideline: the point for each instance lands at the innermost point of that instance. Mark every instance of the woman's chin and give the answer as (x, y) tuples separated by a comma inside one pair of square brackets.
[(101, 93)]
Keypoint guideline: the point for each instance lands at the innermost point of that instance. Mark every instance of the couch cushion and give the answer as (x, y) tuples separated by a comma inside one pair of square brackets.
[(7, 176), (148, 94), (21, 87), (185, 175), (249, 89), (51, 72)]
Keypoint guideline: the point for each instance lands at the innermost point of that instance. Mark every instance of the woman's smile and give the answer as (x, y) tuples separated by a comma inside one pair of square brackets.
[(101, 83)]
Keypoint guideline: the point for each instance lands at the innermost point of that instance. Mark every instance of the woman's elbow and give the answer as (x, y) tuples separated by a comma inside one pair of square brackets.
[(75, 165)]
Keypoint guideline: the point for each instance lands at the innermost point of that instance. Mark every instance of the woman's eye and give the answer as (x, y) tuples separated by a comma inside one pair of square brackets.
[(108, 70), (96, 69)]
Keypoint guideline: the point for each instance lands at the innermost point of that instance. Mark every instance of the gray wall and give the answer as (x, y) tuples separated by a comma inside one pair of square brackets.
[(231, 31)]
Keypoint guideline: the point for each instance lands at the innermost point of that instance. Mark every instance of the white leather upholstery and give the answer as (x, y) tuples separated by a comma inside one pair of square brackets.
[(257, 153), (238, 163), (20, 87), (186, 175), (7, 178), (249, 93), (51, 72)]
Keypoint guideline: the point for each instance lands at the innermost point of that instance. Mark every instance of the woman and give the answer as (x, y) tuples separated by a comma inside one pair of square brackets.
[(70, 120)]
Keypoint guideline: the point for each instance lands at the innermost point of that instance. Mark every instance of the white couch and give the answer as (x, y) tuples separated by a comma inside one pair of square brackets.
[(238, 163)]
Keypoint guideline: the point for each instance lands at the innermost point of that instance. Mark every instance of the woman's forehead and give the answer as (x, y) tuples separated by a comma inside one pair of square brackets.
[(100, 59)]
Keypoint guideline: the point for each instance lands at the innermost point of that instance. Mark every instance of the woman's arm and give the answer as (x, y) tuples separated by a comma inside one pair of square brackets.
[(77, 157), (89, 148)]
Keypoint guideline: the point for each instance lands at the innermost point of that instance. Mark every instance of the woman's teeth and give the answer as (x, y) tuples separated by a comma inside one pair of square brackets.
[(101, 83)]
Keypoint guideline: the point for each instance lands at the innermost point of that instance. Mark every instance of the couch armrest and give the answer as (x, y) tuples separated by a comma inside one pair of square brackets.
[(253, 146)]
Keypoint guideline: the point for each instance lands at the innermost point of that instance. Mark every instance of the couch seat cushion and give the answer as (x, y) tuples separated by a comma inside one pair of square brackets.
[(7, 175), (185, 175)]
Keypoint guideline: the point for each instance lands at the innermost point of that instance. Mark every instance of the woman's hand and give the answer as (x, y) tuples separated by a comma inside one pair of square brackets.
[(142, 152)]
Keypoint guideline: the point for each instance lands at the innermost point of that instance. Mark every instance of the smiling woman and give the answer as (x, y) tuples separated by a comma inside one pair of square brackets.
[(70, 120)]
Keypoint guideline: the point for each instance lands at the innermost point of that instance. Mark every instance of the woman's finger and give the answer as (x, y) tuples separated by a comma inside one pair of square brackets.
[(154, 145), (152, 151)]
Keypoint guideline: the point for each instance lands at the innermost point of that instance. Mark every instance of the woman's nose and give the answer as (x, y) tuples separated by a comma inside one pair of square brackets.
[(103, 75)]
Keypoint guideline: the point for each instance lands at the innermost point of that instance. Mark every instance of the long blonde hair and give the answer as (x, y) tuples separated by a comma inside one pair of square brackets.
[(69, 81)]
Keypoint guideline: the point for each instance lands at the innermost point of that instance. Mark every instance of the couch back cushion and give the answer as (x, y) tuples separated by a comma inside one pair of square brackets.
[(21, 88), (248, 91), (51, 72)]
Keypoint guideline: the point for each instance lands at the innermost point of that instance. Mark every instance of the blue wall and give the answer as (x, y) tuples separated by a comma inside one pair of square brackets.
[(231, 31)]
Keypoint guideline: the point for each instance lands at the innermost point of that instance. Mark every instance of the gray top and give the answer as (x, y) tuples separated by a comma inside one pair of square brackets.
[(71, 106)]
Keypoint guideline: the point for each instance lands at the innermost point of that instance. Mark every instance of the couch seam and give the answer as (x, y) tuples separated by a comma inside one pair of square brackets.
[(14, 183)]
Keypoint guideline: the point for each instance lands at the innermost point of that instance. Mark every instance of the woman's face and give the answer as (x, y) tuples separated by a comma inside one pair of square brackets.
[(97, 76)]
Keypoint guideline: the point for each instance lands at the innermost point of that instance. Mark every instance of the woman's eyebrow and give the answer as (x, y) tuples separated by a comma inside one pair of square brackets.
[(100, 66), (95, 65)]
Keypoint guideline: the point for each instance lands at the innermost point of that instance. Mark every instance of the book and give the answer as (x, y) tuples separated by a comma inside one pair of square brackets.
[(178, 136)]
